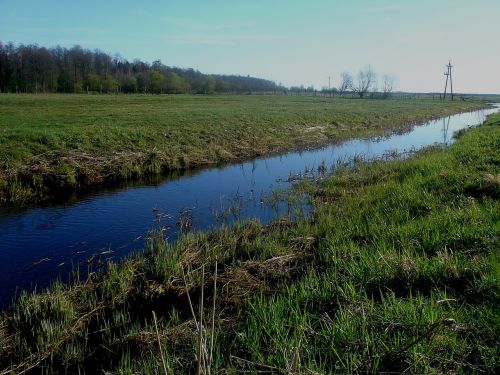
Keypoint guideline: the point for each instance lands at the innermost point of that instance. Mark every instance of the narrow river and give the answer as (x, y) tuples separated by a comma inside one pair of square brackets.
[(40, 243)]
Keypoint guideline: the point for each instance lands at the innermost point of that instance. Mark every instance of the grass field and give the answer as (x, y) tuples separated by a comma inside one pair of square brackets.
[(55, 143), (396, 270)]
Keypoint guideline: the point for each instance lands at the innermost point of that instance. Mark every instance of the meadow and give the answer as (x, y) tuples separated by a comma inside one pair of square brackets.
[(395, 270), (55, 143)]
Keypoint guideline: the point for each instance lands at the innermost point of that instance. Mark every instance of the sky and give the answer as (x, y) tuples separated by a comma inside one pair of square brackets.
[(292, 42)]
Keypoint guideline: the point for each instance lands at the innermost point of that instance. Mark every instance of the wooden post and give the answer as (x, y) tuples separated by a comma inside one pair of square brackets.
[(445, 86), (451, 81), (448, 75)]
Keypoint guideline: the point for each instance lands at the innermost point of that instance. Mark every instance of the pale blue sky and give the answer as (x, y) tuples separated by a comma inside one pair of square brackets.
[(293, 42)]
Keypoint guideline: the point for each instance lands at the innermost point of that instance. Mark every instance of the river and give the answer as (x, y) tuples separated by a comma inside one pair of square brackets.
[(39, 244)]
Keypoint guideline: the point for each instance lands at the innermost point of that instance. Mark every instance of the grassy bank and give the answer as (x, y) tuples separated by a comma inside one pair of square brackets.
[(55, 143), (396, 270)]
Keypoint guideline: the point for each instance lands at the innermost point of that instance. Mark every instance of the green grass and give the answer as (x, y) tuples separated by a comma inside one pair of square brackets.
[(396, 270), (55, 143)]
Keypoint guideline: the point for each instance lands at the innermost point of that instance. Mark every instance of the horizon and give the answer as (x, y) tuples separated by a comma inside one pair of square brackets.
[(300, 44)]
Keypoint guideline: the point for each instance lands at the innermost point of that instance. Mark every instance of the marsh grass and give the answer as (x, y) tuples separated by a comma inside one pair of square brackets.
[(55, 144), (395, 270)]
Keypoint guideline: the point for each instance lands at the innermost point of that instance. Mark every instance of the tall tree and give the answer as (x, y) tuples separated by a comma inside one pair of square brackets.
[(346, 83), (175, 84), (156, 82), (209, 85), (365, 81), (387, 85)]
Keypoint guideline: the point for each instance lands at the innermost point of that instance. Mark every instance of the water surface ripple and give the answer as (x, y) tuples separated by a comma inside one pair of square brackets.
[(38, 244)]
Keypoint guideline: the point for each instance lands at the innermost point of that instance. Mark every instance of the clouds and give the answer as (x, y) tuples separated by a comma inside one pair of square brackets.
[(191, 24), (184, 30), (383, 8), (222, 39)]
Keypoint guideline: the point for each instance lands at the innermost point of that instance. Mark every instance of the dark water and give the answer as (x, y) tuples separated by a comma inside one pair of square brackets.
[(38, 244)]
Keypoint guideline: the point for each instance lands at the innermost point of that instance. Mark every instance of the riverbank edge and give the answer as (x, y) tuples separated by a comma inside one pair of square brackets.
[(395, 271), (49, 180)]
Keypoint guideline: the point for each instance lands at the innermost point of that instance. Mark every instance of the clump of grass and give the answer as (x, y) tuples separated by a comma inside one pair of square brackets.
[(395, 270)]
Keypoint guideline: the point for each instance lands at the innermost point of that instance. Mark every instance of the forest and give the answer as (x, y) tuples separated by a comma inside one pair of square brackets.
[(35, 69)]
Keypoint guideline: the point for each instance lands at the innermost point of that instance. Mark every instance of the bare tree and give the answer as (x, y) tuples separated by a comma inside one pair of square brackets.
[(387, 85), (366, 80), (346, 83)]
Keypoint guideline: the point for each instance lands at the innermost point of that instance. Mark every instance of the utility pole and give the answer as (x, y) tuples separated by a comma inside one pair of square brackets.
[(451, 80), (448, 76), (329, 86)]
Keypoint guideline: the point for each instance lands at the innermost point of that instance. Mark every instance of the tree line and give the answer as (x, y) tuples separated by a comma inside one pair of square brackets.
[(35, 69), (364, 84)]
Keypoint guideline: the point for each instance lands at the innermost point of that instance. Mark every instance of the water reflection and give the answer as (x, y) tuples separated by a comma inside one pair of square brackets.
[(40, 243)]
